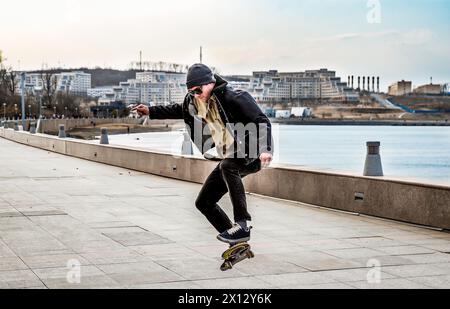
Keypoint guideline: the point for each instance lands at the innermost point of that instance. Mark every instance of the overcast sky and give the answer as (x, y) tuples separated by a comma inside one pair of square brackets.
[(408, 40)]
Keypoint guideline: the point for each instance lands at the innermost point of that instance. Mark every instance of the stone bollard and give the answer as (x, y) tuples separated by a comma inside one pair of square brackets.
[(187, 149), (373, 166), (33, 128), (62, 131), (104, 138), (16, 126)]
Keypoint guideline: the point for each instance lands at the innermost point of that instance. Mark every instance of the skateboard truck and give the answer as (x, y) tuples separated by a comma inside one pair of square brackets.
[(236, 254)]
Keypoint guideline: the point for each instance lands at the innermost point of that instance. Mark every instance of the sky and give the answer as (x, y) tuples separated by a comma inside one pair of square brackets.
[(393, 39)]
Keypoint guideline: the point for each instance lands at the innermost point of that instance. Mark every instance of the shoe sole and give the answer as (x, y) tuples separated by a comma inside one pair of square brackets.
[(234, 241)]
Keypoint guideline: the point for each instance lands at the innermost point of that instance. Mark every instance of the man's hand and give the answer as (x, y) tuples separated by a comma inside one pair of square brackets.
[(142, 110), (265, 158)]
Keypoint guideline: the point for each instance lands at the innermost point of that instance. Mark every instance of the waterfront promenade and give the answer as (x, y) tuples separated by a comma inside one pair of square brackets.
[(134, 230)]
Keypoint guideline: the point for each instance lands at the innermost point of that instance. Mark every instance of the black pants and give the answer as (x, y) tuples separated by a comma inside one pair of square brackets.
[(226, 177)]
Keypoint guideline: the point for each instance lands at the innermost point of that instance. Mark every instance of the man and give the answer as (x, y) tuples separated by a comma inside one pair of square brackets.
[(215, 115)]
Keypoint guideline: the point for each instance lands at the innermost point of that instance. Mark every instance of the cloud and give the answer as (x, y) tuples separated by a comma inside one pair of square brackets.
[(417, 37)]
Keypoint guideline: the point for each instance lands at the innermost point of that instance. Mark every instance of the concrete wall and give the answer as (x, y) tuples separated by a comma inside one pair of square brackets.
[(416, 203), (52, 125)]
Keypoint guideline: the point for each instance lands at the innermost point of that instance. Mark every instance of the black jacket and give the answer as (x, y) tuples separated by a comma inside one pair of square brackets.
[(235, 107)]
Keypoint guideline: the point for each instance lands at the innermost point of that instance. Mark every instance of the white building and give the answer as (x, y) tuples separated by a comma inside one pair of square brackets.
[(273, 86), (283, 114), (152, 88), (161, 77), (74, 82), (301, 112), (99, 92), (34, 80)]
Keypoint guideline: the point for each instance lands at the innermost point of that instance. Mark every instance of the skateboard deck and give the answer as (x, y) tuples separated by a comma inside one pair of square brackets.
[(236, 254)]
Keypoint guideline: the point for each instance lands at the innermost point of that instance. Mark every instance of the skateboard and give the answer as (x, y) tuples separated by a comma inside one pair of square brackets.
[(236, 254)]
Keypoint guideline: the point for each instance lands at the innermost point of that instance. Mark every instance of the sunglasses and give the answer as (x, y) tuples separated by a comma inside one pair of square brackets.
[(196, 91)]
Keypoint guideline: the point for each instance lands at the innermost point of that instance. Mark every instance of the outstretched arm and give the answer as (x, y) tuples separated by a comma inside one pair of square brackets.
[(174, 111)]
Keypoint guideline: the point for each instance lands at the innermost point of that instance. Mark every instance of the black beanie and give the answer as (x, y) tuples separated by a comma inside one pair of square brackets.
[(198, 75)]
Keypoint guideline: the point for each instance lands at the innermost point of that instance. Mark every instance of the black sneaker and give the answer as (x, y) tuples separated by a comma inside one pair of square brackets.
[(235, 235)]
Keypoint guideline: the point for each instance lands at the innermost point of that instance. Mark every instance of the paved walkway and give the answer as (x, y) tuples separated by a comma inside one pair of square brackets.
[(129, 229)]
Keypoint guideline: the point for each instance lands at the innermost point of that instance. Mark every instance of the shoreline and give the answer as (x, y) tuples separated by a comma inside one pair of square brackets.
[(320, 122)]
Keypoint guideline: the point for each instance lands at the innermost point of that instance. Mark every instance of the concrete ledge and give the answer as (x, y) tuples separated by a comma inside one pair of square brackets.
[(424, 204), (52, 125)]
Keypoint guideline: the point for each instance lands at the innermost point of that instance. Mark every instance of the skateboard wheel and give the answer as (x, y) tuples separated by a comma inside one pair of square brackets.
[(250, 255), (226, 266)]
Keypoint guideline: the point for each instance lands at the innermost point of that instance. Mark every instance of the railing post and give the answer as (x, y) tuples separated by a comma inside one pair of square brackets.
[(104, 138), (373, 166), (62, 131), (187, 149)]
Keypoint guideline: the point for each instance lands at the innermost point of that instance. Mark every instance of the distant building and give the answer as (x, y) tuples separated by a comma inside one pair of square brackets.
[(34, 80), (161, 77), (100, 92), (76, 83), (107, 109), (274, 86), (429, 89), (400, 88), (301, 112), (446, 89), (283, 114), (269, 112)]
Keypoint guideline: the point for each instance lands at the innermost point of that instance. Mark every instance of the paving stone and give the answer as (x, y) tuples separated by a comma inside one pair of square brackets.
[(354, 275), (171, 251), (134, 230), (316, 261), (168, 285), (139, 273), (404, 250), (354, 253), (436, 257), (16, 279), (52, 261), (324, 244), (437, 282), (298, 279), (268, 265), (373, 242), (124, 255), (11, 263), (238, 283), (60, 278), (388, 284), (134, 236), (323, 286), (201, 268), (406, 271)]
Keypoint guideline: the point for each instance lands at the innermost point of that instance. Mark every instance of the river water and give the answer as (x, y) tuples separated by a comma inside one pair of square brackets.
[(413, 153)]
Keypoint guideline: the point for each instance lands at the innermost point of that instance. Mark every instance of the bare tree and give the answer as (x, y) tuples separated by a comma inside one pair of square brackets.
[(3, 87), (12, 81), (8, 81), (49, 86)]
